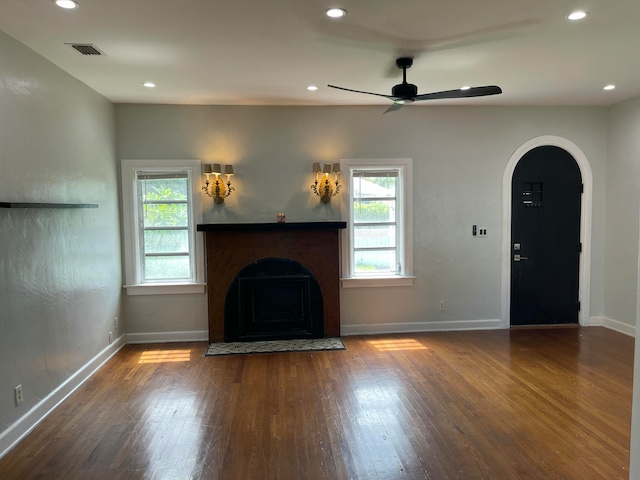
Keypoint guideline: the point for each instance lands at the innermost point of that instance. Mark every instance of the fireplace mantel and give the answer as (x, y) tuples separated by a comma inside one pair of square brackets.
[(232, 246), (270, 227)]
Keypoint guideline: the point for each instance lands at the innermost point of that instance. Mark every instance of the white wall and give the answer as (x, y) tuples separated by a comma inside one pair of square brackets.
[(459, 158), (60, 285), (60, 269), (622, 240), (622, 212), (634, 450), (61, 278)]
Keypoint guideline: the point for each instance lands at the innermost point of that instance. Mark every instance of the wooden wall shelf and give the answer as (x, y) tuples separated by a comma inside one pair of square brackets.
[(46, 205)]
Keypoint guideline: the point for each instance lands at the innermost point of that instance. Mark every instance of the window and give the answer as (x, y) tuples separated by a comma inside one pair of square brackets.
[(378, 245), (160, 212), (163, 212)]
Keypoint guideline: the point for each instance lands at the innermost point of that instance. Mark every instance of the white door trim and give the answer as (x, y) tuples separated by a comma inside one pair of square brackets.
[(585, 223)]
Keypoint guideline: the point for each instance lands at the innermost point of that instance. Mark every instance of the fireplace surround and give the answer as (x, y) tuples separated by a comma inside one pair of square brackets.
[(232, 248)]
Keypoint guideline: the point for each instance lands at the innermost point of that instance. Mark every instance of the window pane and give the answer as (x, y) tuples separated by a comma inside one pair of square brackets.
[(374, 236), (165, 241), (164, 268), (164, 189), (166, 215), (374, 186), (376, 261), (366, 211), (164, 198)]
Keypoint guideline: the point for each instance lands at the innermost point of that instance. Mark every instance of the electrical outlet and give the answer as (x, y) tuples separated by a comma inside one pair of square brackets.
[(115, 323), (18, 392), (482, 232), (441, 305), (110, 336)]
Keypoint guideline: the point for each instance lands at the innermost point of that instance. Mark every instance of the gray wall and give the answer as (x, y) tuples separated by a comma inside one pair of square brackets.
[(61, 281), (459, 153)]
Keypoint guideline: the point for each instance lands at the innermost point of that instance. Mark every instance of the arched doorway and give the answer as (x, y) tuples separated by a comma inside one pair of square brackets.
[(509, 248), (546, 193)]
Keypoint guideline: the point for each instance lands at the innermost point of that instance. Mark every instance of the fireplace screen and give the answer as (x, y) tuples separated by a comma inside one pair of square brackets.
[(269, 304), (273, 299)]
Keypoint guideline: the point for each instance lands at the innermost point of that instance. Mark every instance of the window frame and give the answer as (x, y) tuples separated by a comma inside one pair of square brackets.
[(404, 223), (132, 235)]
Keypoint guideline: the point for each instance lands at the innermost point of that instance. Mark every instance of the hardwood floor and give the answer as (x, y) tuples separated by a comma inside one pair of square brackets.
[(518, 404)]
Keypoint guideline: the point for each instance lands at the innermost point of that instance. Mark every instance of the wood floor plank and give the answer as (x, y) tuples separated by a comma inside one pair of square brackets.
[(506, 404)]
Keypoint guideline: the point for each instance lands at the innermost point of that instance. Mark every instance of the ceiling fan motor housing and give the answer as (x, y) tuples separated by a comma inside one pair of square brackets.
[(404, 90), (404, 62)]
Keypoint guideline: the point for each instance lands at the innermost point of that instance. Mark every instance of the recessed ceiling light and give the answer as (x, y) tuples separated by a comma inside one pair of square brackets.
[(149, 84), (336, 12), (466, 87), (609, 87), (68, 4), (312, 88), (577, 15)]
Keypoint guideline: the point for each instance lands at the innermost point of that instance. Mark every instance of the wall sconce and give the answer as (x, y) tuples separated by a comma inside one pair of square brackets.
[(217, 189), (325, 188)]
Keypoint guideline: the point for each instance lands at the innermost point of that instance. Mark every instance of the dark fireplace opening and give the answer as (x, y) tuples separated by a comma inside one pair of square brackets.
[(273, 299)]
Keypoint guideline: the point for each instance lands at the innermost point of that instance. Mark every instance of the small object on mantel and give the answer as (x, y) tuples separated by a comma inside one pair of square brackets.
[(281, 217)]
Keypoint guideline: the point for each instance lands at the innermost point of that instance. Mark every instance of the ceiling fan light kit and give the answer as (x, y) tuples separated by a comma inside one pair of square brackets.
[(404, 93)]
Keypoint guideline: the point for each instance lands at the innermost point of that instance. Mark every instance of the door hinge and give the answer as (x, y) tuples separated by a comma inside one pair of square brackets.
[(580, 247), (582, 188), (578, 306)]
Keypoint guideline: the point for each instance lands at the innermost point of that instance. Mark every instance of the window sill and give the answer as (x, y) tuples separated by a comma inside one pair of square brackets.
[(372, 282), (165, 288)]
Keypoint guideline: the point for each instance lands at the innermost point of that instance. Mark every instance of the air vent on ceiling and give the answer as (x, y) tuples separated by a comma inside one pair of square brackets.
[(86, 49)]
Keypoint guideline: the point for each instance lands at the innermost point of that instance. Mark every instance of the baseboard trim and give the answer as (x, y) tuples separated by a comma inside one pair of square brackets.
[(168, 337), (25, 424), (612, 324), (420, 327)]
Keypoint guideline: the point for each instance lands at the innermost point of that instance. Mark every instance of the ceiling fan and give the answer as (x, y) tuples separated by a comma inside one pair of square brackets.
[(404, 92)]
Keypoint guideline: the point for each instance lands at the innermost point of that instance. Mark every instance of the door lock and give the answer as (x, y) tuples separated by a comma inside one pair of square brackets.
[(517, 258)]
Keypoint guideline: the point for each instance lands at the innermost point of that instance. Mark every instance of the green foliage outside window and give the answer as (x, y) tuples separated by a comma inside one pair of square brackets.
[(165, 214), (371, 211), (165, 205)]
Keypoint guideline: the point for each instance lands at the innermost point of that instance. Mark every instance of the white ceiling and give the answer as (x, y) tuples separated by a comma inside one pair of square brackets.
[(265, 52)]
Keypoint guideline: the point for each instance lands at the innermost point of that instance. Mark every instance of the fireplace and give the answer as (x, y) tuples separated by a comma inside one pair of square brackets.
[(273, 299), (249, 300)]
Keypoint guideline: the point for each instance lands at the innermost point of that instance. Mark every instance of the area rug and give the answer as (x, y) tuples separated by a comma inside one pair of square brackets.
[(272, 346)]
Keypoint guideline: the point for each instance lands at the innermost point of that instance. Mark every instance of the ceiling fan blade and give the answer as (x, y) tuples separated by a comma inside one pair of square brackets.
[(458, 93), (360, 91), (396, 105)]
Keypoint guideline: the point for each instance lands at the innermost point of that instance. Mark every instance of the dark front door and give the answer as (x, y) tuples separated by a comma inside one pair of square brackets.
[(545, 236)]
